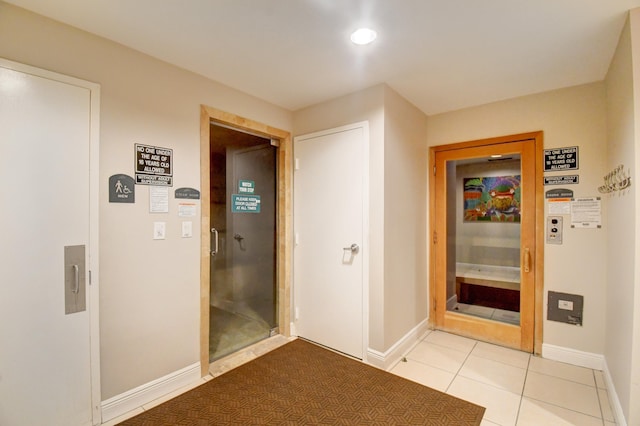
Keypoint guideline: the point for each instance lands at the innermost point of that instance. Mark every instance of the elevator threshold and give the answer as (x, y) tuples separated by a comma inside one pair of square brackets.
[(247, 354)]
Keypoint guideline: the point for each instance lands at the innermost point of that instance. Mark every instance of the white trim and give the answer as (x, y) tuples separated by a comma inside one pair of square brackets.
[(142, 395), (386, 360), (94, 206), (572, 356), (616, 407), (366, 252)]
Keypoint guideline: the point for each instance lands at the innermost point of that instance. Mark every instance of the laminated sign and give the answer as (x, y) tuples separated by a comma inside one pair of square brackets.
[(561, 159), (154, 165)]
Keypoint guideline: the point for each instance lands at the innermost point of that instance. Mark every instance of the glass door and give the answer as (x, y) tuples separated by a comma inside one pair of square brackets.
[(484, 242), (243, 241)]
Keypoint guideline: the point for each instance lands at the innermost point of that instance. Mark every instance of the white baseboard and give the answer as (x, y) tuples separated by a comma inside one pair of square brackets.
[(572, 356), (616, 407), (137, 397), (389, 358)]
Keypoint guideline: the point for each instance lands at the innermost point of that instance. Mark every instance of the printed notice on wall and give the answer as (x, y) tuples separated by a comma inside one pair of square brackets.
[(154, 165), (586, 213), (158, 199), (559, 206), (187, 209), (561, 159)]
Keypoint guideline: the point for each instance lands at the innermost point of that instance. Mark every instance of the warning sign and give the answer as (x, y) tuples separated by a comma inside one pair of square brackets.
[(154, 165), (246, 186), (245, 203), (561, 159)]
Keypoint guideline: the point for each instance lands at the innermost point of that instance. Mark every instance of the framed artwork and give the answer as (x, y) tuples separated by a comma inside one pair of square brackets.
[(491, 199)]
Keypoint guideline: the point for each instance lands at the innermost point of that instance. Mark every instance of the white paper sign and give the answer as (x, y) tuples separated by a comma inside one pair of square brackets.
[(586, 213), (159, 199), (559, 206), (186, 209)]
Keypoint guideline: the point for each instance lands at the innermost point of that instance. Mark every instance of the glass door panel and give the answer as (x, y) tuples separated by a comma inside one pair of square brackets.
[(243, 305), (483, 207)]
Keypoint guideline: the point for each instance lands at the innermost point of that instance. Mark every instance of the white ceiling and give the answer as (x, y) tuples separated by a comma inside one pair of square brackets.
[(441, 55)]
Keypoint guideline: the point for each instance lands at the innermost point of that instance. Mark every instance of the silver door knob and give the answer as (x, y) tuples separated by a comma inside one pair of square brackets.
[(354, 248)]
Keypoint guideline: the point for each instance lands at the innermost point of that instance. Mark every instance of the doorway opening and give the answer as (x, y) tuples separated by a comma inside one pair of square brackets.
[(487, 223), (244, 268), (243, 296)]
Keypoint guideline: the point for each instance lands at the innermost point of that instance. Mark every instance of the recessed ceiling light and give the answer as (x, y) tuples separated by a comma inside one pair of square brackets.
[(363, 36)]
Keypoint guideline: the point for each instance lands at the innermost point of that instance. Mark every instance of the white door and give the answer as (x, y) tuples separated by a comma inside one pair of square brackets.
[(330, 255), (46, 126)]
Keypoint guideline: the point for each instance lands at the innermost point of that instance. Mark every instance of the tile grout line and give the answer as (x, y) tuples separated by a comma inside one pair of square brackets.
[(524, 384), (475, 343), (598, 395)]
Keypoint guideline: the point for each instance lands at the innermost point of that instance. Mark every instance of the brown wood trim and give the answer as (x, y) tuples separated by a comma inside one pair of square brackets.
[(284, 218), (430, 238), (539, 260), (489, 141), (205, 239), (459, 321)]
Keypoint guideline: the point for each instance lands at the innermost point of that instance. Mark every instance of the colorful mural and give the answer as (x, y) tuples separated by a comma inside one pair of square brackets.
[(492, 199)]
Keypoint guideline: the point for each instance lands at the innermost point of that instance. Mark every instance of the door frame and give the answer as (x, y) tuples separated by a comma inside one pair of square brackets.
[(93, 270), (538, 267), (283, 218)]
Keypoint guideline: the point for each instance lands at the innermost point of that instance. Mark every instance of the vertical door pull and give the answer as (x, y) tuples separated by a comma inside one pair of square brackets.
[(214, 231), (76, 279), (527, 260)]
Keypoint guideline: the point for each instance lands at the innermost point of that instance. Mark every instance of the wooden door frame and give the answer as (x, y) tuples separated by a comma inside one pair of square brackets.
[(283, 218), (537, 137)]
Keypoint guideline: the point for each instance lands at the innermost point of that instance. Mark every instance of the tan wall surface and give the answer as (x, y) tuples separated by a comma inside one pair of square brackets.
[(622, 344), (622, 219), (405, 217)]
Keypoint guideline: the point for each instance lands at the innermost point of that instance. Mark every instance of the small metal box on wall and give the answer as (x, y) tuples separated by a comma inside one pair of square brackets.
[(564, 307)]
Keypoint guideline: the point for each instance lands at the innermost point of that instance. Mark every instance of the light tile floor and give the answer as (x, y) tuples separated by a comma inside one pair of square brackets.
[(516, 388)]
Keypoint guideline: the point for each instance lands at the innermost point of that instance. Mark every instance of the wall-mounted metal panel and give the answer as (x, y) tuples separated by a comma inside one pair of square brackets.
[(74, 279)]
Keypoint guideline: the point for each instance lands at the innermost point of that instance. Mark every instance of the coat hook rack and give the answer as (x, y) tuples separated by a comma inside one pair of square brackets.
[(616, 180)]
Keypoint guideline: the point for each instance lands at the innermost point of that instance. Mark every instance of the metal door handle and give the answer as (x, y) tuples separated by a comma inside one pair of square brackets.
[(214, 231), (76, 279), (354, 248)]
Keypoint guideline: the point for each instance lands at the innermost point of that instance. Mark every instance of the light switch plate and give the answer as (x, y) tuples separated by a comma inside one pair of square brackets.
[(567, 305), (159, 230), (187, 229)]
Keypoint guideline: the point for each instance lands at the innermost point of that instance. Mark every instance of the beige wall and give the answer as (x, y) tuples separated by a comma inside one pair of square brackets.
[(149, 290), (568, 117), (621, 344), (405, 217), (366, 105), (634, 392), (397, 213)]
